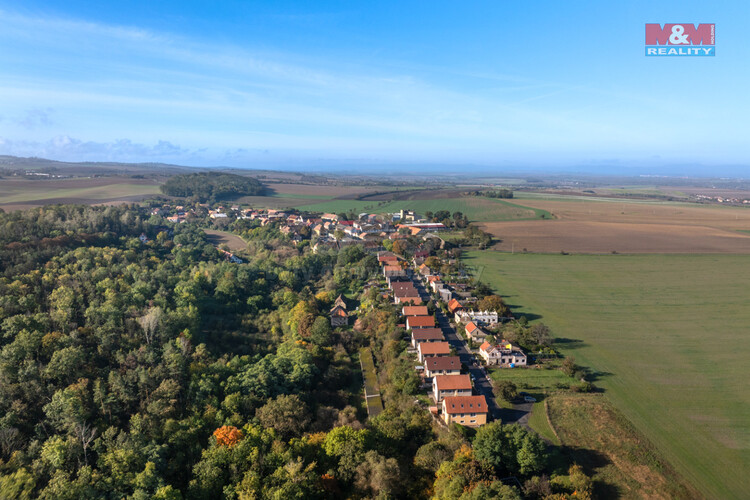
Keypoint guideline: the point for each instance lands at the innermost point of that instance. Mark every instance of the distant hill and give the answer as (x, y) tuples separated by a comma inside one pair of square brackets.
[(90, 168), (212, 186)]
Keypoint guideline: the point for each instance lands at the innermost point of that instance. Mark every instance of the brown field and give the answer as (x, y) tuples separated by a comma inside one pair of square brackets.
[(232, 241), (583, 226)]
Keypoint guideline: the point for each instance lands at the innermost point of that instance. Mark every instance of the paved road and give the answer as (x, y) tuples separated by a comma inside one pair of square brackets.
[(481, 382)]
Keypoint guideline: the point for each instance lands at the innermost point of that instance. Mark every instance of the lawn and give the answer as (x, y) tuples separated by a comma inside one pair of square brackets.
[(668, 333), (477, 209), (532, 380)]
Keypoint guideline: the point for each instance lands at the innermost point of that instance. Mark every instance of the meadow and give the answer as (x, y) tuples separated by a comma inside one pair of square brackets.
[(668, 336)]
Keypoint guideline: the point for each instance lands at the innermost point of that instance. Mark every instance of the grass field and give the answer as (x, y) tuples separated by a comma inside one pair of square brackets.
[(477, 209), (622, 463), (84, 190), (669, 333), (231, 240)]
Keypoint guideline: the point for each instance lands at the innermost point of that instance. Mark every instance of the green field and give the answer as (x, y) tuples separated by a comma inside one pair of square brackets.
[(477, 209), (670, 335), (13, 192)]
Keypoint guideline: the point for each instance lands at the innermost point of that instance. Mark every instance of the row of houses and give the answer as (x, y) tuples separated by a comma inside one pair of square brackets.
[(451, 390)]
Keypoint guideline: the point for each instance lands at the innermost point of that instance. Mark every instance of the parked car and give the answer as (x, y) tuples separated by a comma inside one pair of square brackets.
[(529, 399)]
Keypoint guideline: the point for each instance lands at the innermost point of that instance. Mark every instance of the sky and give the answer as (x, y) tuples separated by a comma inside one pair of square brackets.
[(458, 86)]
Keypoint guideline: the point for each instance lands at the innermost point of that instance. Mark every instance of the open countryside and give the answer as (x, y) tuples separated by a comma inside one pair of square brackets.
[(23, 193), (668, 334), (625, 226)]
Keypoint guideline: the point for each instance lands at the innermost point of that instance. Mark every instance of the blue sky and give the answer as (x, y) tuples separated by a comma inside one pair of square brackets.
[(495, 85)]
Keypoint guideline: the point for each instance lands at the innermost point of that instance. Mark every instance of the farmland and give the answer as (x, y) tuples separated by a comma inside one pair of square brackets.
[(668, 335), (601, 225), (475, 208), (22, 193)]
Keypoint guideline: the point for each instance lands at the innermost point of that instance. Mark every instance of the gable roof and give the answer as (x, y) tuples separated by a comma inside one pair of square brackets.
[(339, 311), (405, 292), (443, 363), (454, 305), (340, 302), (428, 334), (435, 348), (453, 382), (420, 321), (415, 311), (486, 346), (471, 327), (465, 404)]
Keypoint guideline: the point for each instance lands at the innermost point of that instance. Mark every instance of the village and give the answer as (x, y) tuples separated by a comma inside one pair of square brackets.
[(450, 339)]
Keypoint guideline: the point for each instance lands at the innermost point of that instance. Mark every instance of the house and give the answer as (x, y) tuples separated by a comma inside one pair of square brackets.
[(478, 317), (431, 349), (389, 270), (471, 411), (450, 385), (340, 302), (424, 270), (442, 365), (511, 355), (503, 354), (454, 306), (413, 322), (426, 335), (489, 353), (408, 299), (445, 294), (415, 311), (474, 332), (339, 316), (387, 257)]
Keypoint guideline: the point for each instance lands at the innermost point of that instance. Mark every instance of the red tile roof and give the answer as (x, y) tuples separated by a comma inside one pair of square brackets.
[(465, 404), (471, 327), (435, 348), (453, 382), (420, 321), (454, 305), (415, 311)]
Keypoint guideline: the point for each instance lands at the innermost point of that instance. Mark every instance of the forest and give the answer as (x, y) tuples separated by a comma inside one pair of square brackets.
[(211, 186), (154, 368)]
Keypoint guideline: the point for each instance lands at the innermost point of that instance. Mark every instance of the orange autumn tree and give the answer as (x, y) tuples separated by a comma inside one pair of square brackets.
[(227, 435)]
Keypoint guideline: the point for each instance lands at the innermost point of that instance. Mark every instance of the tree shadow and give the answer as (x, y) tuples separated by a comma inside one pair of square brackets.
[(590, 461), (510, 415), (567, 343)]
